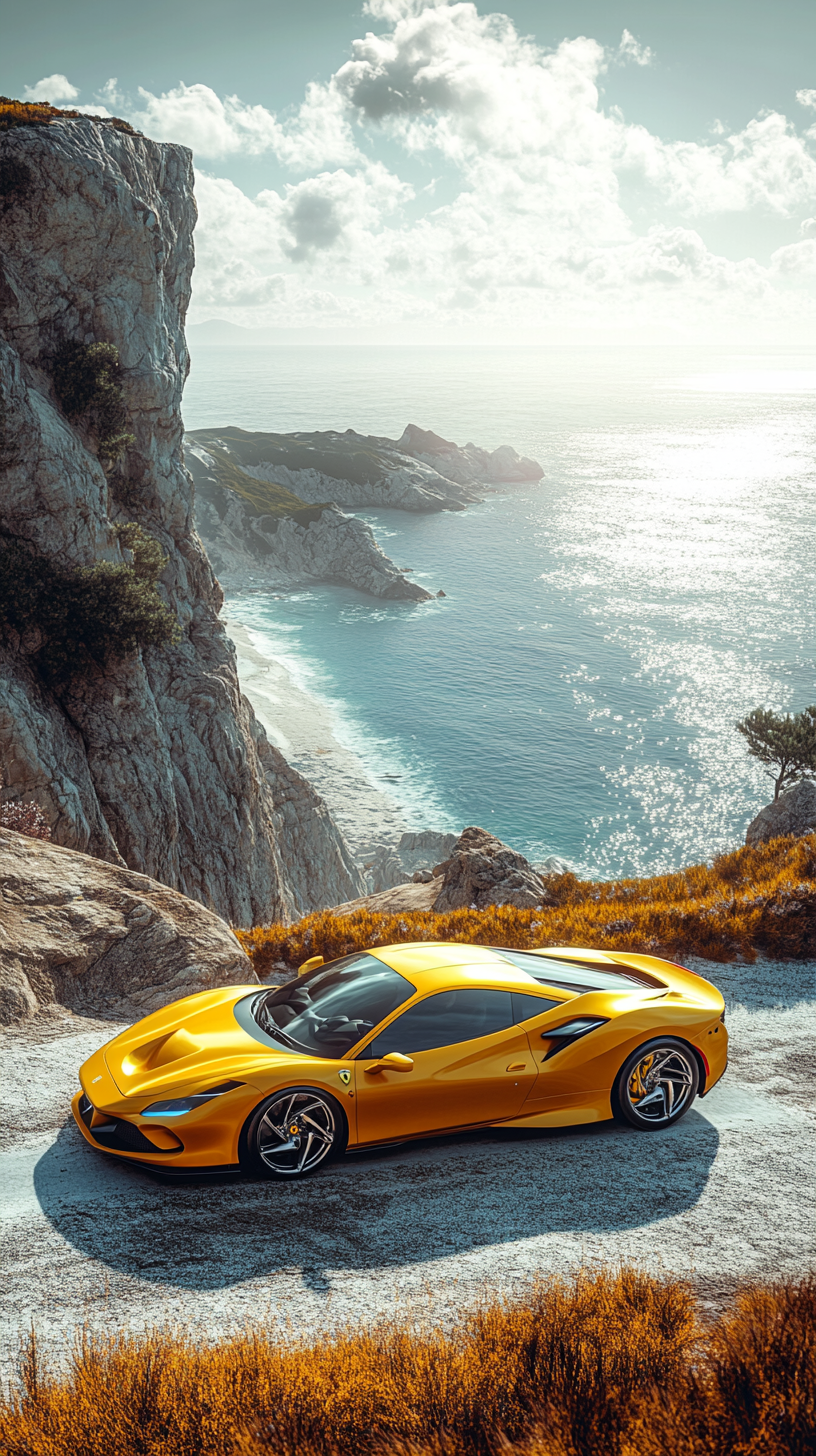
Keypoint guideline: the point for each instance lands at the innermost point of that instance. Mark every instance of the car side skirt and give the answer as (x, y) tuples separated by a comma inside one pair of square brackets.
[(591, 1107)]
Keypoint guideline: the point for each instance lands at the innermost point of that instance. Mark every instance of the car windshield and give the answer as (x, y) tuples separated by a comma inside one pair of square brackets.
[(327, 1011), (578, 975)]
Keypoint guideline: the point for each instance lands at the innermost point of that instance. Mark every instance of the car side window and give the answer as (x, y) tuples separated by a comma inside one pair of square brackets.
[(526, 1007), (443, 1020)]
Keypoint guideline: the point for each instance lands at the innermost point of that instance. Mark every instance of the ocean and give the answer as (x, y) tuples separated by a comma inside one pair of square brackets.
[(575, 691)]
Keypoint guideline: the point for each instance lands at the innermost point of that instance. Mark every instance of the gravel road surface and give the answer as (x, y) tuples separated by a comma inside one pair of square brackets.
[(429, 1227)]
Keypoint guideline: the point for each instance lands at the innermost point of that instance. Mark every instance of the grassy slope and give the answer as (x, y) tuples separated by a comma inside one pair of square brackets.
[(613, 1364), (262, 497), (318, 450), (748, 901)]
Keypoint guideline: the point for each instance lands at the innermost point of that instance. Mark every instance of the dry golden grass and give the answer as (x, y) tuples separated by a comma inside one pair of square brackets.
[(610, 1365), (42, 113), (751, 900)]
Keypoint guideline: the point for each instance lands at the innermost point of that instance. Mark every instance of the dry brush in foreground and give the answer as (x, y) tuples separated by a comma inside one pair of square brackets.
[(609, 1365), (753, 899)]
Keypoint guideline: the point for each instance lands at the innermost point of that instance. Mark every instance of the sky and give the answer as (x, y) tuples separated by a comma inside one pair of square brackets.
[(632, 170)]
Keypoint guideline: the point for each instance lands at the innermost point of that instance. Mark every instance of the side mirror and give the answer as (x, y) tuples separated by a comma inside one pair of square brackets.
[(310, 965), (392, 1062)]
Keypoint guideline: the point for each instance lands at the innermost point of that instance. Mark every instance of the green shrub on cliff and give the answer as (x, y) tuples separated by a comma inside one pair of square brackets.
[(73, 621), (88, 383)]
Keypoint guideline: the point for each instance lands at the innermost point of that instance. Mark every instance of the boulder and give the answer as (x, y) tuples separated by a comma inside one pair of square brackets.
[(102, 940), (483, 871), (792, 813)]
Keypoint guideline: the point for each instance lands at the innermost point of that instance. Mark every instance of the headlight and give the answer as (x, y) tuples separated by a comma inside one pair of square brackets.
[(562, 1036), (177, 1106)]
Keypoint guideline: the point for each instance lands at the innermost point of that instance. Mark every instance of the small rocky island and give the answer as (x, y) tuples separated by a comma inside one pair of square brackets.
[(272, 509)]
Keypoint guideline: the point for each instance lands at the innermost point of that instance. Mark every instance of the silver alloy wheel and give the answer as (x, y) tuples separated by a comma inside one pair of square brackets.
[(296, 1132), (660, 1085)]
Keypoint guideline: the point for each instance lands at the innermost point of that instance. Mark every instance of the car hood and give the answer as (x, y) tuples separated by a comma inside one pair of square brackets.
[(196, 1038)]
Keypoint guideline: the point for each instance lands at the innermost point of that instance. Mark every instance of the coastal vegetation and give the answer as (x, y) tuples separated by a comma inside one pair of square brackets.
[(610, 1364), (71, 621), (785, 742), (324, 450), (760, 899), (88, 384), (261, 497)]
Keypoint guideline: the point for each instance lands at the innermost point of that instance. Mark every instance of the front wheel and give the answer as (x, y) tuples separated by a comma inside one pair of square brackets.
[(657, 1084), (292, 1133)]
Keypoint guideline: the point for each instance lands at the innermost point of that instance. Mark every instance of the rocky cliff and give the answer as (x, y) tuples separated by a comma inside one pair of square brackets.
[(151, 758), (467, 464), (418, 472), (260, 534)]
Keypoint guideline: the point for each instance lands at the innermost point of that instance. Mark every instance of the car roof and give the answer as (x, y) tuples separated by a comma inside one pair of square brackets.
[(423, 955), (459, 964), (567, 970)]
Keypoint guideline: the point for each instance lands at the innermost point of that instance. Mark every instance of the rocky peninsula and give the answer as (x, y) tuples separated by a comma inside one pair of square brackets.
[(273, 508)]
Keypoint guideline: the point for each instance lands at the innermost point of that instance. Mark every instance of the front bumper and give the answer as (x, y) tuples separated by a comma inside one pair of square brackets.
[(116, 1135)]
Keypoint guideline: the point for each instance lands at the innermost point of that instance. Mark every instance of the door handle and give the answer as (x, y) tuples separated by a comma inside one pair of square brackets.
[(517, 1066)]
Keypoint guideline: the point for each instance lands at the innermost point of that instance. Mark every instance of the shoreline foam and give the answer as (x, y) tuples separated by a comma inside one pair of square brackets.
[(303, 727)]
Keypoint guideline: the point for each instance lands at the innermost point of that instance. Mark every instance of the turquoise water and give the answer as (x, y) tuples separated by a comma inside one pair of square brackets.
[(576, 689)]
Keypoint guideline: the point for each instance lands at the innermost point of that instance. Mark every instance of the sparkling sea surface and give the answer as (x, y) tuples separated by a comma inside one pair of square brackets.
[(576, 689)]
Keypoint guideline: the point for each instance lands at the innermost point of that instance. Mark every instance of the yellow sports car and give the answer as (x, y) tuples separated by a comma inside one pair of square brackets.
[(398, 1043)]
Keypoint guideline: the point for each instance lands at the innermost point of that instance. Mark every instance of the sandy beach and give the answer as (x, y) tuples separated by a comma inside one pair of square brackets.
[(305, 731)]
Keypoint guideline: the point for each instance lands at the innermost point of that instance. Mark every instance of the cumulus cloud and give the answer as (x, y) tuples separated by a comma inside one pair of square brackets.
[(631, 50), (196, 116), (797, 260), (538, 177), (394, 10), (57, 90), (807, 98), (54, 88)]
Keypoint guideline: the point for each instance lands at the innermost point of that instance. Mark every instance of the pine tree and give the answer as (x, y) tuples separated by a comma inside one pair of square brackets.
[(785, 742)]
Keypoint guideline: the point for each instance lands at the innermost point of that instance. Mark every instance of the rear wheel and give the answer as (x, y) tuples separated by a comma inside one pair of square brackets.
[(657, 1084), (292, 1133)]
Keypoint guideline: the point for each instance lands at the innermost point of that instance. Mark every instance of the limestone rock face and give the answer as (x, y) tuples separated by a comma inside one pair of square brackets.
[(157, 763), (792, 813), (100, 939), (318, 544), (414, 853), (483, 871), (467, 463)]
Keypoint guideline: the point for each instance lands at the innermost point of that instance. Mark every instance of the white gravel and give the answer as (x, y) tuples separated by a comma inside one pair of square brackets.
[(726, 1194)]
